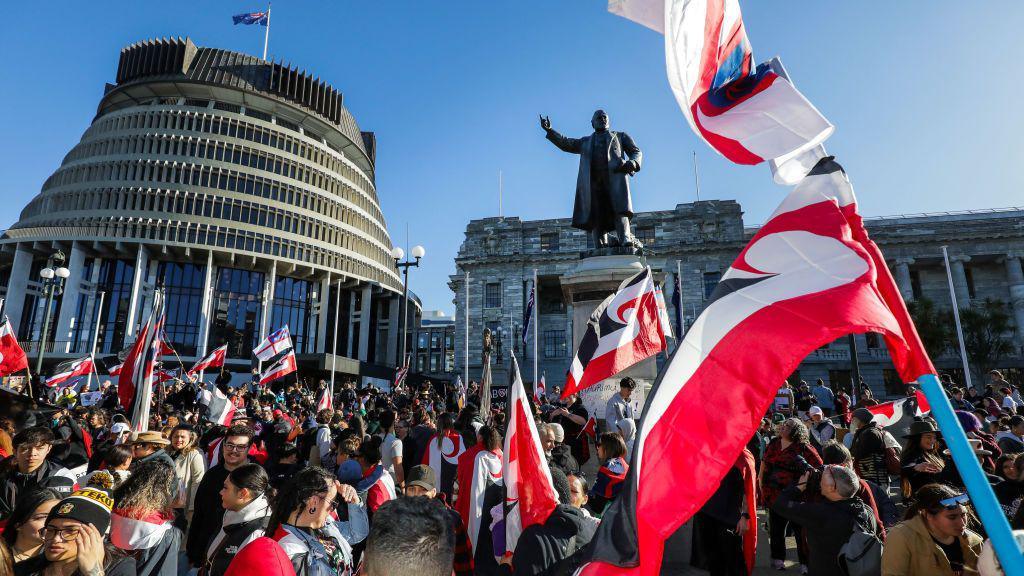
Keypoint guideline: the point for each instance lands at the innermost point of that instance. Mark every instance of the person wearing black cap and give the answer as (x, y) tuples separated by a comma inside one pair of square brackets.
[(73, 540), (618, 407), (422, 481)]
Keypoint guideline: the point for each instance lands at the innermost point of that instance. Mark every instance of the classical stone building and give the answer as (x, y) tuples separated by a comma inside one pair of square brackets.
[(244, 188), (700, 241)]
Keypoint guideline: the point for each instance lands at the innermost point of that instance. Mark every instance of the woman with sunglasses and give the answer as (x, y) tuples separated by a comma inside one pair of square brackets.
[(317, 538), (933, 539)]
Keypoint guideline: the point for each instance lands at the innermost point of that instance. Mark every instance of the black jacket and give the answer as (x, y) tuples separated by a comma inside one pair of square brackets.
[(561, 458), (832, 525), (48, 475), (545, 549), (207, 516)]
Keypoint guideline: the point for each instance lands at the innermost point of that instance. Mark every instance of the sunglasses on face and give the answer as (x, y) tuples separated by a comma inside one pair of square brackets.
[(955, 501)]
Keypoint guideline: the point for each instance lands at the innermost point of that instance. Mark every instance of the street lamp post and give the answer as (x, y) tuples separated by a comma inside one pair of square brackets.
[(397, 253), (53, 277)]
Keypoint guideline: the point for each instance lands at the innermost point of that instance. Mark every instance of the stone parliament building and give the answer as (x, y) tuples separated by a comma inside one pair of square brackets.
[(701, 240)]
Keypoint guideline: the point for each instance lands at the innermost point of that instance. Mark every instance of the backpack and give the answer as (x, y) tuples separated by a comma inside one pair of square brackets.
[(862, 554)]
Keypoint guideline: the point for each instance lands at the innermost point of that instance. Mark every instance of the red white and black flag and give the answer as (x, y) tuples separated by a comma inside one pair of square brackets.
[(12, 357), (219, 408), (66, 372), (623, 330), (809, 276), (890, 414), (139, 372), (325, 401), (283, 367), (529, 492), (214, 359)]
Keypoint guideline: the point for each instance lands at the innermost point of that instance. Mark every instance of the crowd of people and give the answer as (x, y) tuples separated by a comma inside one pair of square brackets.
[(385, 483)]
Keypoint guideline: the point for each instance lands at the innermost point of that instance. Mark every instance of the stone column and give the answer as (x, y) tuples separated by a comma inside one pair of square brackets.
[(141, 261), (1015, 281), (365, 323), (350, 298), (91, 314), (205, 310), (901, 272), (17, 286), (67, 319), (956, 266), (323, 306), (394, 330)]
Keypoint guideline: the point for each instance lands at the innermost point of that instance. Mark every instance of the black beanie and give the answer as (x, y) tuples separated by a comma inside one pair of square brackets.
[(88, 506)]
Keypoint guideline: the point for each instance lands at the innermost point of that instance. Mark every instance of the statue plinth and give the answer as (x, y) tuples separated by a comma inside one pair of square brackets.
[(592, 280)]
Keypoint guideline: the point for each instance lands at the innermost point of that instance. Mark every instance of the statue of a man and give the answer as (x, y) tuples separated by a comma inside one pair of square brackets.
[(607, 158)]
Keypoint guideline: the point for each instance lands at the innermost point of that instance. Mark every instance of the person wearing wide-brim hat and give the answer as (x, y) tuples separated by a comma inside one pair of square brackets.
[(150, 445), (921, 461)]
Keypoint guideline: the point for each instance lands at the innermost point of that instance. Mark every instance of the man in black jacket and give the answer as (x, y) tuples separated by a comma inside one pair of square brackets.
[(209, 510), (28, 469), (543, 547)]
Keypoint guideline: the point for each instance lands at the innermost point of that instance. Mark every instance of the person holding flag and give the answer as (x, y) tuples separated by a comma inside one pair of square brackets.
[(573, 417)]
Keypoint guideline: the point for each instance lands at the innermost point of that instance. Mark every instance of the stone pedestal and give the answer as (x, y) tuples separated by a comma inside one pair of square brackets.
[(584, 288)]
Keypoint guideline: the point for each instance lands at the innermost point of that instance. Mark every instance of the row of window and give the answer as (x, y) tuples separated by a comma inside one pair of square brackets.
[(125, 201), (549, 241), (219, 236), (200, 176), (204, 125), (189, 148)]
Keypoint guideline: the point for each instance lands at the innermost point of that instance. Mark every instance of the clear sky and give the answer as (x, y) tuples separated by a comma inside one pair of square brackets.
[(924, 96)]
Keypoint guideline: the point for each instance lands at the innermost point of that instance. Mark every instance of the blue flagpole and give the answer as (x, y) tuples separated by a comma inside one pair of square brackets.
[(981, 494)]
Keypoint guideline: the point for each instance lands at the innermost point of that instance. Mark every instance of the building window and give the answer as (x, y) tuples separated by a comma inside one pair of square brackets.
[(183, 285), (435, 340), (435, 362), (873, 340), (645, 234), (492, 295), (236, 311), (421, 341), (915, 283), (710, 282), (291, 306), (969, 276), (554, 344), (549, 242)]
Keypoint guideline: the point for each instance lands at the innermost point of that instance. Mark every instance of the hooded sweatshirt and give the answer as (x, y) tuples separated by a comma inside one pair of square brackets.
[(262, 557), (152, 540), (238, 530)]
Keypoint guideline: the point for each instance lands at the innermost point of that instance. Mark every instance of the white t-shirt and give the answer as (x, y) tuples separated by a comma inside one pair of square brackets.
[(390, 448)]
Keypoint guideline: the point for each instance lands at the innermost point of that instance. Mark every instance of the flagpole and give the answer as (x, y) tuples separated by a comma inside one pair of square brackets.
[(536, 325), (266, 35), (956, 319), (334, 343), (95, 340), (465, 367)]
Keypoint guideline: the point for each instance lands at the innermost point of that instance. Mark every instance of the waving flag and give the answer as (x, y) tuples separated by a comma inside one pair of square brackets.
[(663, 319), (12, 357), (809, 276), (261, 18), (214, 359), (278, 341), (442, 455), (530, 495), (139, 373), (485, 471), (66, 372), (528, 314), (748, 113), (540, 391), (325, 401), (283, 367), (460, 392), (219, 408), (623, 330), (890, 413)]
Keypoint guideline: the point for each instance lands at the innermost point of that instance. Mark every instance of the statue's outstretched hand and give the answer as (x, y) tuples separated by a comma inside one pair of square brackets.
[(626, 167), (545, 123)]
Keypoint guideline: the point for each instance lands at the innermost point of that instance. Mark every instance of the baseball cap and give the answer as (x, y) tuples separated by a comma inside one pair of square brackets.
[(423, 476), (815, 410)]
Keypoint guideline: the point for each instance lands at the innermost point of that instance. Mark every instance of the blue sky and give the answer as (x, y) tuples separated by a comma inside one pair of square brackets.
[(924, 95)]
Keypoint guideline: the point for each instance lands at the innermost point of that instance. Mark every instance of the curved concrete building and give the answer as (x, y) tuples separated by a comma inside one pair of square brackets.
[(243, 187)]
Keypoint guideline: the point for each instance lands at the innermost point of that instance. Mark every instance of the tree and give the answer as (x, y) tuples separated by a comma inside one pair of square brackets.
[(934, 326), (985, 327)]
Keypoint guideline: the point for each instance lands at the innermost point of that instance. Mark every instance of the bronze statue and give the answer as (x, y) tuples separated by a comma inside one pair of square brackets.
[(603, 202)]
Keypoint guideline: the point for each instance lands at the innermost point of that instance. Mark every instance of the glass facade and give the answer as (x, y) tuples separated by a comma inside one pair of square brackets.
[(115, 279), (292, 301), (183, 288), (236, 311), (81, 332)]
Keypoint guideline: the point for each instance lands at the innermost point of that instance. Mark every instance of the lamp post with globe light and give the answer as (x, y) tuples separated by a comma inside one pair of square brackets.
[(397, 253), (53, 277)]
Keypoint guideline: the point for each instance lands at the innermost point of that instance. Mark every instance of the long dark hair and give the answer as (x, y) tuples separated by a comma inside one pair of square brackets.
[(927, 501), (445, 423), (148, 489), (294, 494), (27, 504)]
